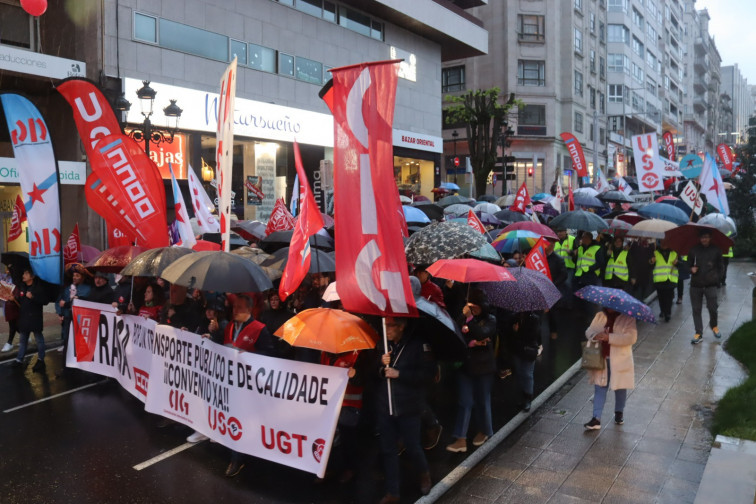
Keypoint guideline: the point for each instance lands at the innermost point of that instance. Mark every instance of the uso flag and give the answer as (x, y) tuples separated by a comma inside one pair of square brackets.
[(370, 261), (38, 171)]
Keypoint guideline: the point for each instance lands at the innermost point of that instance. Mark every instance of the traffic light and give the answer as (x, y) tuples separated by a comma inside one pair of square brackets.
[(509, 167)]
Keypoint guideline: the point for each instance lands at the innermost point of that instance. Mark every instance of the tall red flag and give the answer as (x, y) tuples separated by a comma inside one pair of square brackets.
[(576, 152), (370, 262), (309, 222), (669, 143), (725, 155), (19, 216), (73, 247), (522, 199), (474, 222), (571, 205), (536, 259), (280, 218)]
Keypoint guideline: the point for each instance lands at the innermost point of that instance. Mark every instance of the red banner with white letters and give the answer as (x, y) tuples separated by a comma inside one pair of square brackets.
[(370, 262), (93, 115), (280, 218), (648, 163), (669, 143), (474, 222), (576, 152), (536, 259), (522, 199), (725, 155), (18, 217), (73, 247)]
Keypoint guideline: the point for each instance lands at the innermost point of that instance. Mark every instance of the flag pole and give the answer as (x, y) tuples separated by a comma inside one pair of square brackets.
[(388, 380)]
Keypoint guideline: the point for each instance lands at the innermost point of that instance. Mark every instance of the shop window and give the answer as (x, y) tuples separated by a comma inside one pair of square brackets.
[(309, 71), (184, 38), (285, 64), (262, 58), (145, 28), (16, 27)]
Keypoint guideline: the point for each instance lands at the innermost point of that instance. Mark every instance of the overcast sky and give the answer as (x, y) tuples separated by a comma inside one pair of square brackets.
[(731, 25)]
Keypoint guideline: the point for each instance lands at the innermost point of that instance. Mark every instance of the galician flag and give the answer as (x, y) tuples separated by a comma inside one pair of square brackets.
[(712, 186), (602, 185), (182, 217), (203, 206), (623, 186), (310, 221)]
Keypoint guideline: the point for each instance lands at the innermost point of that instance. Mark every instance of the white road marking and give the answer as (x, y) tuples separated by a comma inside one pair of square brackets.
[(163, 456), (54, 396)]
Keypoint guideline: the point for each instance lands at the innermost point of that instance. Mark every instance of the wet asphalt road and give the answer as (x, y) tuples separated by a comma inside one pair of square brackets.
[(82, 446)]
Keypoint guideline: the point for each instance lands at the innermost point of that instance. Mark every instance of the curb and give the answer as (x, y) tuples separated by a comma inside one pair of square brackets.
[(459, 472)]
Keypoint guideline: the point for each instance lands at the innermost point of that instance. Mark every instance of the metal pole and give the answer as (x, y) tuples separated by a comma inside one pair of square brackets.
[(624, 134), (595, 144), (388, 380), (147, 126)]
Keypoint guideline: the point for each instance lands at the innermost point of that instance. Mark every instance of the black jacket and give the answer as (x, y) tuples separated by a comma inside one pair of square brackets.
[(528, 333), (188, 314), (30, 310), (102, 294), (710, 266), (480, 359), (414, 361)]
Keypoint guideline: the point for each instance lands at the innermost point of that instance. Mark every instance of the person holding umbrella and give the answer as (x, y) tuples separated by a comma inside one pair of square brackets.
[(665, 277), (706, 269), (31, 299)]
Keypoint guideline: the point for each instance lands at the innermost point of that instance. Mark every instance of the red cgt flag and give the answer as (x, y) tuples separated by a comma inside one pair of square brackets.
[(474, 222), (370, 262), (522, 199), (19, 216), (280, 218), (73, 247), (536, 259), (309, 222)]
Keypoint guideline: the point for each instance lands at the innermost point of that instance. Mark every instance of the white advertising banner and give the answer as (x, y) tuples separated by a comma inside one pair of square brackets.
[(70, 172), (648, 163), (275, 409), (29, 62), (689, 195)]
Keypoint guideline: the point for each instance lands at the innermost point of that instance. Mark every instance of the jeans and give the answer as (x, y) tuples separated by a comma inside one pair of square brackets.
[(474, 394), (680, 288), (523, 370), (599, 395), (392, 429), (696, 303), (23, 340)]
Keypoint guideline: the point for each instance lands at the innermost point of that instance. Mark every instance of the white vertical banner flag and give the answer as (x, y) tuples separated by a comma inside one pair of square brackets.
[(602, 185), (712, 186), (224, 150), (202, 205), (648, 163), (182, 216), (689, 195), (556, 202), (623, 186)]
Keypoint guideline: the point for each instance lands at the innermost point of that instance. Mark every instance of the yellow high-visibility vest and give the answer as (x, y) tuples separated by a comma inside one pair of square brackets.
[(664, 270), (728, 254), (617, 267), (563, 251), (586, 260)]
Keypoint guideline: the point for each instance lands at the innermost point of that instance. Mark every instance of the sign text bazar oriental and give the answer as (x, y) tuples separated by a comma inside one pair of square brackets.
[(274, 409)]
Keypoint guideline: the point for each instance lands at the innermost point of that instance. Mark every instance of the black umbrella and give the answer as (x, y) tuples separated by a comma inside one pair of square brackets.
[(508, 216), (320, 261), (615, 197), (217, 271), (433, 211), (17, 262), (234, 239), (580, 220), (249, 230), (280, 239), (453, 200), (443, 240), (152, 262), (488, 198), (586, 200), (442, 332)]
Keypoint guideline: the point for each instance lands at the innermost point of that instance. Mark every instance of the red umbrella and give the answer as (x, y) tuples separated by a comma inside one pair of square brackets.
[(617, 227), (666, 198), (469, 270), (203, 245), (114, 259), (682, 238), (631, 217), (535, 227), (420, 197)]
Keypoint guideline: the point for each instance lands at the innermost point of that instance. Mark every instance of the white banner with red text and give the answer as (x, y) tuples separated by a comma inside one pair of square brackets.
[(275, 409)]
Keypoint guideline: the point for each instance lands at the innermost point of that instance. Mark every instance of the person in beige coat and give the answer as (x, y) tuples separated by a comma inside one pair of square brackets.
[(617, 333)]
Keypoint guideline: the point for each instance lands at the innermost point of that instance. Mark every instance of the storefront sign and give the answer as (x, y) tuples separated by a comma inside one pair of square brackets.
[(174, 153), (29, 62), (71, 172), (418, 141)]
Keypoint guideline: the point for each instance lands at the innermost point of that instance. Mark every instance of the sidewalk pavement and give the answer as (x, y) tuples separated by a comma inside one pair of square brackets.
[(51, 332), (660, 452)]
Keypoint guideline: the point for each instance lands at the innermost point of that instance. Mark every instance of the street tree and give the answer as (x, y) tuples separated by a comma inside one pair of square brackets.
[(483, 115), (742, 199)]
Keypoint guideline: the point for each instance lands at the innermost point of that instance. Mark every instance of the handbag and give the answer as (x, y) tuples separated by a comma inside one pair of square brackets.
[(592, 358)]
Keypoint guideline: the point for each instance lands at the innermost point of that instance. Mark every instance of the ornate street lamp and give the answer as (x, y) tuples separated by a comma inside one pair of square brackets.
[(147, 132)]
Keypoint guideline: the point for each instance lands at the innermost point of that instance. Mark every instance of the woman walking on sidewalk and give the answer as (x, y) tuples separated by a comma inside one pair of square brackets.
[(617, 333)]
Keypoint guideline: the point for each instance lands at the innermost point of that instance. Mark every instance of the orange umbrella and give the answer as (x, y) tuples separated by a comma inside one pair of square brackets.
[(328, 330), (114, 259), (204, 245)]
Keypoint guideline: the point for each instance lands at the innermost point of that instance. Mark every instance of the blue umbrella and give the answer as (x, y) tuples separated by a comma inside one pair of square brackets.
[(533, 291), (412, 214), (541, 196), (678, 204), (449, 186), (586, 200), (665, 212), (617, 300)]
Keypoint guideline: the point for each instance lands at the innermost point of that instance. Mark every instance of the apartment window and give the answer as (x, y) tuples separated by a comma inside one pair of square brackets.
[(579, 4), (590, 132), (285, 64), (602, 102), (309, 70), (602, 73), (653, 35), (238, 49), (261, 58), (532, 115), (637, 18), (453, 79), (578, 83), (618, 62), (619, 33), (617, 5), (578, 40), (651, 6), (637, 73), (578, 122), (329, 11), (602, 136), (188, 39), (592, 96), (531, 73), (651, 86), (145, 28), (615, 123), (593, 22), (601, 32), (651, 60), (531, 28), (615, 93), (592, 61), (311, 7), (638, 102), (638, 47)]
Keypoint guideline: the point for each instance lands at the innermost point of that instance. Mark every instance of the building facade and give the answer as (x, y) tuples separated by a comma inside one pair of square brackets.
[(735, 92)]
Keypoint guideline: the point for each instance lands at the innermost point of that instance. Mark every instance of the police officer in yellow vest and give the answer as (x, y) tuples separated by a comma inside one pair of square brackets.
[(665, 277), (590, 262), (565, 248), (617, 272)]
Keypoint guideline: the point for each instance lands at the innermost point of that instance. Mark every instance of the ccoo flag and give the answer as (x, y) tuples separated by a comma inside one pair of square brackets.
[(38, 171), (18, 217)]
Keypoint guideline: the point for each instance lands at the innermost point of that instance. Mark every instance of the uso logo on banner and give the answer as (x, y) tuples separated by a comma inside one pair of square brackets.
[(647, 162)]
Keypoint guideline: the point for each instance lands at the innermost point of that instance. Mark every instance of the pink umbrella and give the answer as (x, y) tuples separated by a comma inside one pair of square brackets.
[(87, 253), (535, 227)]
